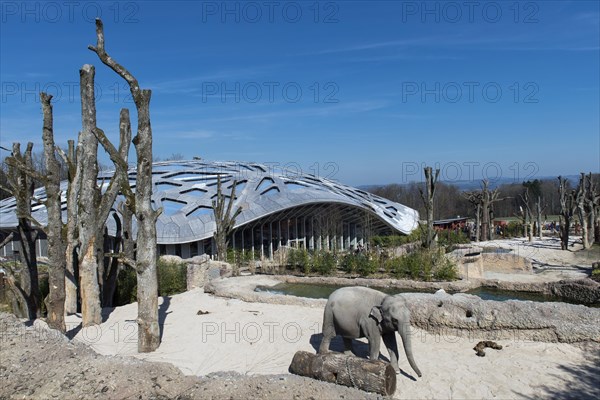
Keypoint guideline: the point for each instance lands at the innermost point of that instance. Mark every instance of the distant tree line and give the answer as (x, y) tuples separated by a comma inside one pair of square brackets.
[(450, 202)]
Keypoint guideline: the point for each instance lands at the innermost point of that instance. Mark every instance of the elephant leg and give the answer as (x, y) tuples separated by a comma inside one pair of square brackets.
[(374, 343), (389, 339), (328, 331), (348, 346)]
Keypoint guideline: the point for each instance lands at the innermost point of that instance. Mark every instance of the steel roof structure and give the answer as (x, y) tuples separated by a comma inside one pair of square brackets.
[(185, 191)]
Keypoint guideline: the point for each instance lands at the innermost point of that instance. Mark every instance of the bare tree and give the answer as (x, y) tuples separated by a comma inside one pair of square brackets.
[(593, 201), (21, 185), (225, 220), (140, 203), (539, 208), (585, 203), (54, 229), (428, 200), (55, 302), (93, 205), (484, 200), (567, 208), (74, 176), (526, 215)]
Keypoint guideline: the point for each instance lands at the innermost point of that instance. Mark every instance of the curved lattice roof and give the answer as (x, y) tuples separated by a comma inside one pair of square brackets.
[(185, 190)]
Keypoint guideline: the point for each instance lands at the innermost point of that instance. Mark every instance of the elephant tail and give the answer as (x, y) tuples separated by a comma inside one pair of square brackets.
[(404, 332)]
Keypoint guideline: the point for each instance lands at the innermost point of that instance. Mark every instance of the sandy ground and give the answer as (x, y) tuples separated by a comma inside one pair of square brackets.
[(257, 338)]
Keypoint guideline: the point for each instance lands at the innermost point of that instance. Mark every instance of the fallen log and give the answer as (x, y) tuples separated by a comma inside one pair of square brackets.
[(368, 375)]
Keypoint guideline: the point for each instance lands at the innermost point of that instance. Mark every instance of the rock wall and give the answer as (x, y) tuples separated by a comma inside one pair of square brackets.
[(582, 290), (463, 314)]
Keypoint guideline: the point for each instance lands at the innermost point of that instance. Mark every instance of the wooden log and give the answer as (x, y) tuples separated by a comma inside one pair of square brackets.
[(368, 375)]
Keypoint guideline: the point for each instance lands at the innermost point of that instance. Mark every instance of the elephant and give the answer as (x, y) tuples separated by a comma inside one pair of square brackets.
[(356, 312)]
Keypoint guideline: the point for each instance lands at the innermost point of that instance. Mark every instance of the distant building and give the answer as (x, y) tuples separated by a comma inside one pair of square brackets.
[(279, 208), (451, 223)]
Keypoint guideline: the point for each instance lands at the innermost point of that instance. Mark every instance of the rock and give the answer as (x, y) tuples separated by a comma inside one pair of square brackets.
[(585, 291), (463, 314), (201, 270), (171, 259), (469, 261)]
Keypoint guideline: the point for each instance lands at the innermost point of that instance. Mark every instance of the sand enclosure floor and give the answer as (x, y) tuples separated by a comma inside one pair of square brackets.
[(259, 338)]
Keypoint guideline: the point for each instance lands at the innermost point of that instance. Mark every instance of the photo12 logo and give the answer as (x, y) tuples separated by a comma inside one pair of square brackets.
[(126, 12), (469, 92), (525, 12), (68, 91), (253, 12), (271, 92), (471, 171)]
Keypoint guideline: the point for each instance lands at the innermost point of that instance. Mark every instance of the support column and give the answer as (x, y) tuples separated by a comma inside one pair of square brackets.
[(262, 244), (312, 235), (271, 241), (252, 249)]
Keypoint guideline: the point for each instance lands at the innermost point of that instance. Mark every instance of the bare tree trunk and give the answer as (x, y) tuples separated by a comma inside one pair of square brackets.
[(55, 302), (28, 237), (146, 257), (21, 186), (88, 201), (538, 206), (428, 200), (485, 211), (484, 201), (592, 204), (112, 266), (224, 219), (566, 212), (478, 223), (18, 299), (94, 206), (581, 197), (75, 171)]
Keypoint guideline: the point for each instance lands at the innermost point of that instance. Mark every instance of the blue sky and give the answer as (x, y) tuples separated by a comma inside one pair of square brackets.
[(364, 92)]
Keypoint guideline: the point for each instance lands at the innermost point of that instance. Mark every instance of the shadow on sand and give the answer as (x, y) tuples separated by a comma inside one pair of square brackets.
[(577, 381), (162, 316)]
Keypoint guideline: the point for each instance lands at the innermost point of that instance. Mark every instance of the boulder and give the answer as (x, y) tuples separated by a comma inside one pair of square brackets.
[(469, 261), (468, 315), (171, 259), (585, 291), (201, 270)]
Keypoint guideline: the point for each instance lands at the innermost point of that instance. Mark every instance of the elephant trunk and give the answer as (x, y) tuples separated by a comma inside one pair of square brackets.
[(404, 332)]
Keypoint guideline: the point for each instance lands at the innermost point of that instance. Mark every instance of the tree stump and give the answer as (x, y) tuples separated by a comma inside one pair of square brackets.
[(368, 375)]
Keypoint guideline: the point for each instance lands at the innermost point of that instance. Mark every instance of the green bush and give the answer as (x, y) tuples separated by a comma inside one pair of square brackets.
[(44, 291), (299, 258), (324, 262), (449, 238), (366, 265), (513, 229), (126, 291), (396, 240), (239, 259), (172, 278), (349, 263), (423, 264)]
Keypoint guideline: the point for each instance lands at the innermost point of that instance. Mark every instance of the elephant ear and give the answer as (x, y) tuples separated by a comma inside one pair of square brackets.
[(376, 314)]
